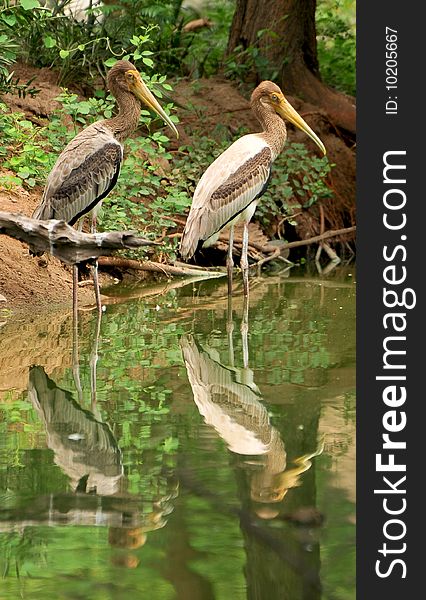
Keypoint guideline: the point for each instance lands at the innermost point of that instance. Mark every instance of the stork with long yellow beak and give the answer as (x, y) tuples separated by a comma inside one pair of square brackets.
[(230, 189), (88, 168)]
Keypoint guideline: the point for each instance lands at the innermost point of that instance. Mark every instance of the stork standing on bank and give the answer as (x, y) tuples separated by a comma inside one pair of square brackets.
[(88, 168), (230, 189)]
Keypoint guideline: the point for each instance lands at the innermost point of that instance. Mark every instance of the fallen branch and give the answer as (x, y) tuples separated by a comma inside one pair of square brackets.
[(271, 248), (262, 261), (319, 238), (153, 267), (64, 242)]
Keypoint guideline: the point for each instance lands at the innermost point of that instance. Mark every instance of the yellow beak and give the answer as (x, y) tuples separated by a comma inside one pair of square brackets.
[(142, 92), (286, 111)]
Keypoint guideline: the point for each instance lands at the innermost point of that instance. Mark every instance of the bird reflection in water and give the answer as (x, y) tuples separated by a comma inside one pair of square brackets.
[(230, 401), (84, 447), (86, 450), (93, 361)]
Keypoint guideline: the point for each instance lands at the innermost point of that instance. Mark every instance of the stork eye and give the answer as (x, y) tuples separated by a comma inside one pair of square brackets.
[(130, 76), (274, 98)]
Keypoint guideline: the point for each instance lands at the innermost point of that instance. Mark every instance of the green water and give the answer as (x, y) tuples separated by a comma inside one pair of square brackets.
[(168, 469)]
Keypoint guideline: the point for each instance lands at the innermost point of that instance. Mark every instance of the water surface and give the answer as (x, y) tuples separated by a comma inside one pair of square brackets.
[(176, 462)]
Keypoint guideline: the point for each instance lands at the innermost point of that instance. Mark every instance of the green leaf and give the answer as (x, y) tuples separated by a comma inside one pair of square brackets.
[(110, 62), (49, 42), (23, 173), (9, 20), (84, 108), (29, 4), (81, 47), (64, 53), (148, 62)]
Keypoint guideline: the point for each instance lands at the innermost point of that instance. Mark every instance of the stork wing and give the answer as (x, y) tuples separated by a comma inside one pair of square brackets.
[(84, 173), (230, 184)]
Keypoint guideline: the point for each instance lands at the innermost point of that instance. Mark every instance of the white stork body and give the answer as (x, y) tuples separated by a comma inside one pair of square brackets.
[(230, 189)]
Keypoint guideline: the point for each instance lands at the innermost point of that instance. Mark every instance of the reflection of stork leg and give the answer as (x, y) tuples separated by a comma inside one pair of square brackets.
[(93, 362), (229, 260), (244, 333), (75, 356), (95, 268), (244, 259), (74, 293), (230, 330)]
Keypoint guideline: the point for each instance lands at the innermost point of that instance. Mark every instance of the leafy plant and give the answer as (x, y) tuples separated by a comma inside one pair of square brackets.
[(23, 150), (49, 36), (337, 44), (9, 45), (298, 182)]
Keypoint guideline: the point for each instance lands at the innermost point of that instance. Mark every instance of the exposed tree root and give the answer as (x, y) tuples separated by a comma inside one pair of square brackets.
[(154, 267)]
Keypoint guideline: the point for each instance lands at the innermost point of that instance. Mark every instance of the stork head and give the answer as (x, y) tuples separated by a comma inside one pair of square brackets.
[(124, 77), (268, 96)]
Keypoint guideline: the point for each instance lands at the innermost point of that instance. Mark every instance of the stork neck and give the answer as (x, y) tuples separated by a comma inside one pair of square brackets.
[(129, 110), (275, 133), (274, 129)]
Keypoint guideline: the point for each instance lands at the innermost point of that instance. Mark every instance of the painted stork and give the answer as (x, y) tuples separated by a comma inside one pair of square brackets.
[(230, 189), (88, 168)]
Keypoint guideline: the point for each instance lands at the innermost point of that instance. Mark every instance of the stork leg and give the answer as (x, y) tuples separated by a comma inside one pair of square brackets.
[(244, 259), (229, 260)]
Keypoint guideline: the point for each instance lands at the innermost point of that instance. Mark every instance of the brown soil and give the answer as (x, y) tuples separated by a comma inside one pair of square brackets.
[(26, 280), (44, 102)]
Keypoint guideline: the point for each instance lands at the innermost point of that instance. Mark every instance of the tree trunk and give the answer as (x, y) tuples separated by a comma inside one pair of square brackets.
[(290, 51)]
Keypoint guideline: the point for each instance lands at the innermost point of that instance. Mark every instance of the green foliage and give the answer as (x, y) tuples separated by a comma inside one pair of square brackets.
[(9, 47), (144, 29), (297, 182), (86, 111), (22, 150), (337, 44), (243, 61), (134, 29)]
